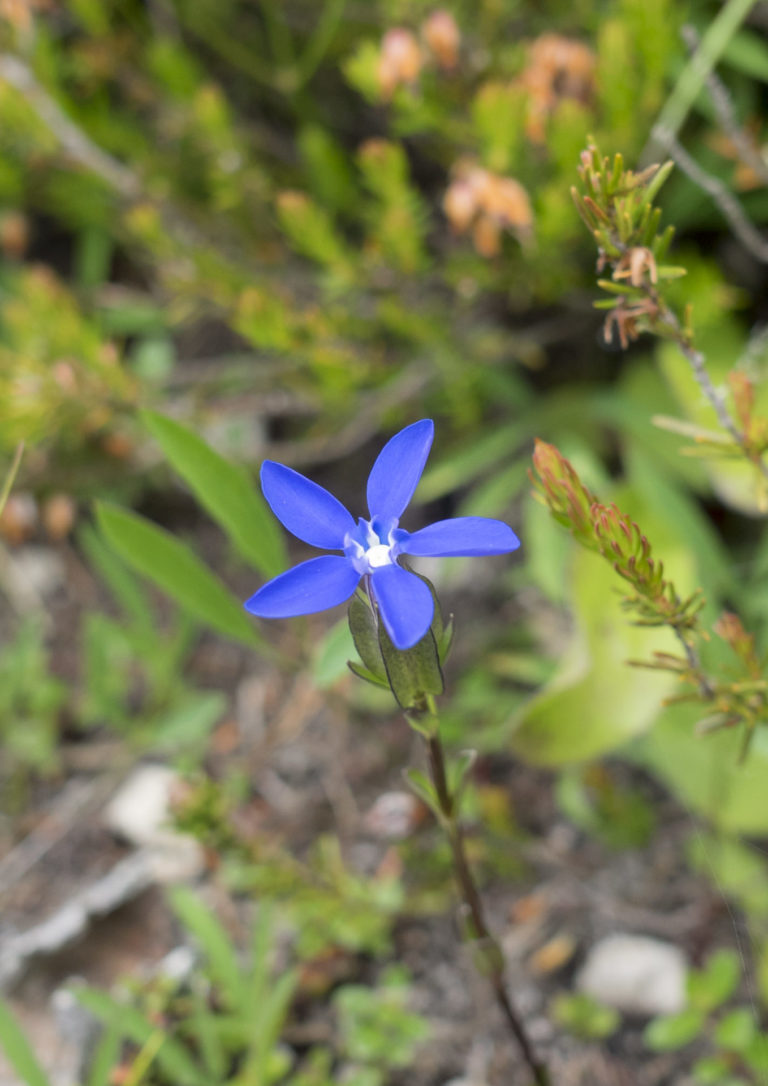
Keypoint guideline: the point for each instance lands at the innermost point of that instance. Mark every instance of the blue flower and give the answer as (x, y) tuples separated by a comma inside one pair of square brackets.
[(370, 548)]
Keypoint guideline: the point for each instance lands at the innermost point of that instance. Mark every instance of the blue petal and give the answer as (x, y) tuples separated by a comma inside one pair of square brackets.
[(305, 508), (309, 587), (405, 604), (460, 537), (397, 470)]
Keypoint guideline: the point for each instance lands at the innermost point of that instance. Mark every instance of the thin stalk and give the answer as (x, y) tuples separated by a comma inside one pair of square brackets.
[(320, 41), (706, 690), (694, 75), (493, 959), (698, 364), (10, 478)]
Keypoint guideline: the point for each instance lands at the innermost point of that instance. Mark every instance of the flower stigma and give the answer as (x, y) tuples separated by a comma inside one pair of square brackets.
[(372, 545)]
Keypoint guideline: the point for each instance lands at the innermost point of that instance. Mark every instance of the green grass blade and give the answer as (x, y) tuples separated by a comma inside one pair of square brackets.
[(156, 554), (224, 491), (18, 1050)]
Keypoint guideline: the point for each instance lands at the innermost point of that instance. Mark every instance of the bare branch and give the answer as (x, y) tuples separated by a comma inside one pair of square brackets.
[(72, 139), (748, 153), (745, 231)]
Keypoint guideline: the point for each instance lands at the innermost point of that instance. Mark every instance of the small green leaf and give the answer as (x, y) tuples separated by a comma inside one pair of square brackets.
[(756, 1054), (18, 1050), (709, 987), (224, 491), (584, 1017), (711, 1071), (424, 789), (446, 641), (172, 566), (368, 676), (458, 770), (674, 1031), (736, 1030)]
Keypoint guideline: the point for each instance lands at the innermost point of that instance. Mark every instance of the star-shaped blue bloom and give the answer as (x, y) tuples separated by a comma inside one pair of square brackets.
[(371, 548)]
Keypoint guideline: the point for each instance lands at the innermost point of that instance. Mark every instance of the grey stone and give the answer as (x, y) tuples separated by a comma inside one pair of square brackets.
[(635, 974)]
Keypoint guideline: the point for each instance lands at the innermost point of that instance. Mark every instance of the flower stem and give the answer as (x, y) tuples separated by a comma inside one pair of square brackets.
[(490, 954), (10, 478)]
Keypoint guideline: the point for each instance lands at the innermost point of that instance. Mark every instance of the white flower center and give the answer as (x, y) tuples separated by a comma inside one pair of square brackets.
[(371, 545), (377, 556)]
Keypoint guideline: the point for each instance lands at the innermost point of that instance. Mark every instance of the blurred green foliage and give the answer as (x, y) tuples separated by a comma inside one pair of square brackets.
[(277, 229)]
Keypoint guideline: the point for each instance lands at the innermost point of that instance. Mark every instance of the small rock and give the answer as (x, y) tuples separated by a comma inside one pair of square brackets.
[(34, 573), (140, 811), (177, 965), (58, 516), (394, 816), (635, 974)]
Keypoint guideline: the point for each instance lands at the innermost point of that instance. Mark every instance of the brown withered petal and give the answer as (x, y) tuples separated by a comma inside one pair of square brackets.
[(443, 37), (486, 236)]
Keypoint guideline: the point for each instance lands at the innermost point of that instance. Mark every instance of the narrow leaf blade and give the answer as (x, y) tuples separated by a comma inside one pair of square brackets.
[(174, 568), (224, 491), (18, 1050)]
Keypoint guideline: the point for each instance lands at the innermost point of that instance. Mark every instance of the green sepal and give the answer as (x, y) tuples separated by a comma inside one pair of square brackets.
[(424, 789), (414, 674), (362, 672), (364, 629), (445, 641), (436, 626)]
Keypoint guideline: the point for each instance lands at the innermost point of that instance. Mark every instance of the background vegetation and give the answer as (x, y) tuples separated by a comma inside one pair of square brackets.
[(232, 230)]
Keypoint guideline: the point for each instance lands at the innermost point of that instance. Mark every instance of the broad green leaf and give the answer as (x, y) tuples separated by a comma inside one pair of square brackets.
[(224, 491), (734, 480), (175, 569), (706, 772), (595, 702), (18, 1050)]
